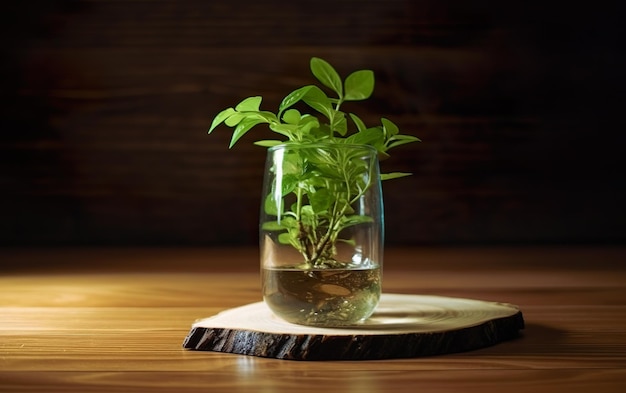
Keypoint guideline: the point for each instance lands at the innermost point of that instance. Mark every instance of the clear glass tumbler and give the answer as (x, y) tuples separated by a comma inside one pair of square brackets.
[(321, 233)]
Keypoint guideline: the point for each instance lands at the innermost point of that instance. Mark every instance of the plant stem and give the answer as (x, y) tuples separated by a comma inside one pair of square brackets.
[(331, 232), (332, 116), (303, 231), (317, 251)]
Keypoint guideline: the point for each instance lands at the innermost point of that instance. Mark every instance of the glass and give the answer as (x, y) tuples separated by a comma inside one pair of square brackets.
[(321, 233)]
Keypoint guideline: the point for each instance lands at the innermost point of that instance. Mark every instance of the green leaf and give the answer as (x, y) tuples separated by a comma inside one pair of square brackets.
[(379, 144), (293, 97), (268, 143), (321, 200), (244, 126), (393, 175), (250, 104), (292, 116), (307, 214), (358, 122), (234, 119), (292, 165), (284, 238), (267, 116), (223, 115), (318, 156), (345, 206), (340, 124), (289, 222), (318, 100), (359, 85), (348, 221), (307, 122), (288, 184), (330, 171), (371, 136), (272, 226), (389, 128), (320, 134), (398, 140), (283, 129), (271, 206), (410, 138), (326, 74)]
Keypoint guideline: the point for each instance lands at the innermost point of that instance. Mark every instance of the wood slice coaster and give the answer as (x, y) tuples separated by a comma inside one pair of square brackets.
[(402, 326)]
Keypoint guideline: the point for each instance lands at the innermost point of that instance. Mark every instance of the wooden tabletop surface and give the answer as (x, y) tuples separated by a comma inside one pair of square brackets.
[(80, 320)]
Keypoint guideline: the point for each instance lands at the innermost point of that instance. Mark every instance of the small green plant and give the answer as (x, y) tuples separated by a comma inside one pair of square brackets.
[(322, 183)]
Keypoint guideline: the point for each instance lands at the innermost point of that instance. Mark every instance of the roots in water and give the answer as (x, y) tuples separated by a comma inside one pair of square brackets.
[(322, 297)]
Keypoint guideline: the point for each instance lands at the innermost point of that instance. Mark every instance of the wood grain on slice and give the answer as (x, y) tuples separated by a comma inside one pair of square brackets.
[(402, 326)]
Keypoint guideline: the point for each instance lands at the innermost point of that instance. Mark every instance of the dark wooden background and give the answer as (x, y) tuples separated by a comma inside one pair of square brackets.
[(105, 106)]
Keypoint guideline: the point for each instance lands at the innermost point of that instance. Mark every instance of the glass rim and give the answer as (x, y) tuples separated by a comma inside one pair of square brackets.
[(331, 145)]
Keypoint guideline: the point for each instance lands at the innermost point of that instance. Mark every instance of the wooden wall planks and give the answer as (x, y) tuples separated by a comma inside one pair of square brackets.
[(107, 103)]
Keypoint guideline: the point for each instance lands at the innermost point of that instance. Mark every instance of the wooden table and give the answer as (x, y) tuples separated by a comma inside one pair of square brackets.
[(82, 320)]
